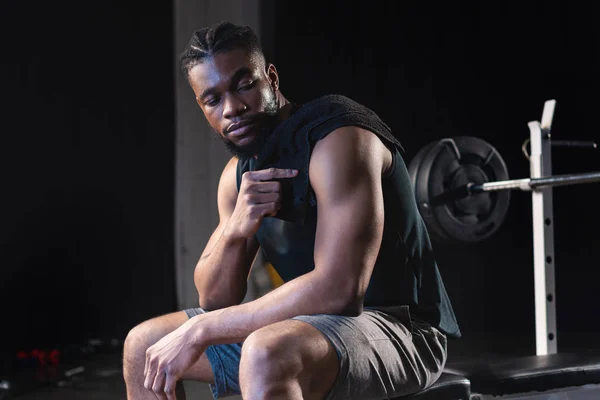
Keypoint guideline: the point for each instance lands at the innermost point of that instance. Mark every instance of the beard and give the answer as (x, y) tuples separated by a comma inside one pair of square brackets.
[(265, 121)]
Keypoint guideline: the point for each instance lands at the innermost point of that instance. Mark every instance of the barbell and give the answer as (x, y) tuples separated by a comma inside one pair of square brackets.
[(462, 188)]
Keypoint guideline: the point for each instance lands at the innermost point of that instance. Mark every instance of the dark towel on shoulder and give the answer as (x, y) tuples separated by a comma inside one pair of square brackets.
[(291, 143)]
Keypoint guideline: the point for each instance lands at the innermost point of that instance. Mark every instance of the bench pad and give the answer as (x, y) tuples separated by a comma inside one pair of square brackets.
[(499, 375)]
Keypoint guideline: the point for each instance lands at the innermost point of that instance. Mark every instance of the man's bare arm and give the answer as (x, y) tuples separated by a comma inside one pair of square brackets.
[(345, 173), (221, 273)]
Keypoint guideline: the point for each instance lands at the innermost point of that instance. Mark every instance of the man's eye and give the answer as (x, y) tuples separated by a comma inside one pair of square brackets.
[(246, 86), (212, 102)]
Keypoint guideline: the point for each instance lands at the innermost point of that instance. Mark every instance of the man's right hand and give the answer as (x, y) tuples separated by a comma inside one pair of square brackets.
[(259, 197)]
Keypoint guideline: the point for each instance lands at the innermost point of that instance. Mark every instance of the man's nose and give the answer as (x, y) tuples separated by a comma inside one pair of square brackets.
[(233, 106)]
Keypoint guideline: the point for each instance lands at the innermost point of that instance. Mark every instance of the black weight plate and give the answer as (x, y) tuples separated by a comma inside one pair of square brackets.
[(448, 164)]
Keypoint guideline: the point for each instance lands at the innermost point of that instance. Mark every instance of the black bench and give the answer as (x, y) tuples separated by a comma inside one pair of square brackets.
[(499, 375), (447, 387)]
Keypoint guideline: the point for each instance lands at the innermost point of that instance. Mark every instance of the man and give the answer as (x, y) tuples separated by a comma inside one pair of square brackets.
[(363, 313)]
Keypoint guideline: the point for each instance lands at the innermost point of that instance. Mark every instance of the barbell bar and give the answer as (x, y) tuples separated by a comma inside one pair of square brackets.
[(527, 184)]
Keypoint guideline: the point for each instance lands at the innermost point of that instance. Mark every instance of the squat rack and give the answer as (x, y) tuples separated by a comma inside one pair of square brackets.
[(540, 164)]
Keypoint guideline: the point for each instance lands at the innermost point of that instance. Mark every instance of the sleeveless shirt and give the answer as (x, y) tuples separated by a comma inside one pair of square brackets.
[(405, 272)]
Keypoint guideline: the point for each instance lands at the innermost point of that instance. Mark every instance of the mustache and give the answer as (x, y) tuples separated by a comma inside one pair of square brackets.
[(243, 121), (267, 118)]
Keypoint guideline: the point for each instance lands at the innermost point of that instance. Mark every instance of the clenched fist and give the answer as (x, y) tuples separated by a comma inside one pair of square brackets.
[(259, 197)]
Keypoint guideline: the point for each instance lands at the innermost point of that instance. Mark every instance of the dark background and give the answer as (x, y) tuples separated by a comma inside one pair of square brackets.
[(88, 132), (87, 156)]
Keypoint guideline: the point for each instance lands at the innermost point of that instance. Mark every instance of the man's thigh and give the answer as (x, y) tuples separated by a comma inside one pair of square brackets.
[(285, 340), (382, 353)]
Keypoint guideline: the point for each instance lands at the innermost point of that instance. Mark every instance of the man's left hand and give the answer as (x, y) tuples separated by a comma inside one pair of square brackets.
[(169, 358)]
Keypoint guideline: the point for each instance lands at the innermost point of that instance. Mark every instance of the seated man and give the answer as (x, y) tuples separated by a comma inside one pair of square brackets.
[(321, 188)]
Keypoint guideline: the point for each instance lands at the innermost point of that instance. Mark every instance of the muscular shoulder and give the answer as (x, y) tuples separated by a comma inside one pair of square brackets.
[(349, 151)]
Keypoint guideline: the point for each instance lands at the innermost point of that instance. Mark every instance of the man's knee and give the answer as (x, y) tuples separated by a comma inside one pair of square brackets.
[(135, 340), (151, 331), (271, 354), (138, 340), (134, 348), (287, 359)]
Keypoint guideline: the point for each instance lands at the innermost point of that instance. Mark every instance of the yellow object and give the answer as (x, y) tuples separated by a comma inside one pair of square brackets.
[(276, 280)]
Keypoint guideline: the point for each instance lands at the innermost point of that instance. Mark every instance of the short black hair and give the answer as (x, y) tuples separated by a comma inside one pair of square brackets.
[(220, 37)]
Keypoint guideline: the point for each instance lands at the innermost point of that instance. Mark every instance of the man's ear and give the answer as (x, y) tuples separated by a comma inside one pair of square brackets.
[(273, 76)]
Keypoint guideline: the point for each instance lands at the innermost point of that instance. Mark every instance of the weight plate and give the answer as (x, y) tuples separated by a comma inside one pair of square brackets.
[(446, 165)]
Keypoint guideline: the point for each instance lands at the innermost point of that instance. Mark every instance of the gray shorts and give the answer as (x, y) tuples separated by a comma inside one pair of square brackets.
[(383, 353)]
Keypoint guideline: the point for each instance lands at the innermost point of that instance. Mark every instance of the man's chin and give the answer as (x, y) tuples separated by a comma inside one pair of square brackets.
[(247, 140), (243, 152), (259, 137)]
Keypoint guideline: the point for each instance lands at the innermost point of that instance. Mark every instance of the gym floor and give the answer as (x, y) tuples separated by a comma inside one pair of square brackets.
[(100, 379), (99, 375)]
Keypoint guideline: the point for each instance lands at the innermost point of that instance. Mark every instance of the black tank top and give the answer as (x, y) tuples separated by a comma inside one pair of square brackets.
[(405, 271)]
